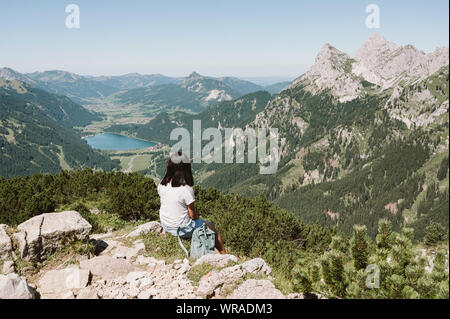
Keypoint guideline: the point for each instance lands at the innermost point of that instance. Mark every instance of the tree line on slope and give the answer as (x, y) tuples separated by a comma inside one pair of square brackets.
[(297, 251)]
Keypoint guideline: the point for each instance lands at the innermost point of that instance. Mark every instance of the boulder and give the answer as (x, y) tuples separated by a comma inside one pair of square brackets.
[(58, 281), (135, 275), (8, 267), (13, 286), (41, 235), (107, 267), (257, 266), (225, 278), (87, 293), (128, 253), (143, 229), (215, 283), (256, 289), (5, 243), (68, 295), (216, 260)]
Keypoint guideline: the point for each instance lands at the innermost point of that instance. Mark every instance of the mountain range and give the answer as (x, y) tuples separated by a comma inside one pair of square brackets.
[(361, 138), (193, 93)]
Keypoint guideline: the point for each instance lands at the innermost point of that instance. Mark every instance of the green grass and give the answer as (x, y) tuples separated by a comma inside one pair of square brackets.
[(141, 162), (165, 247), (198, 272)]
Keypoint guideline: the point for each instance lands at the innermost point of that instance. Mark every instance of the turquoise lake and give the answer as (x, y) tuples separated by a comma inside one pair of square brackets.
[(116, 142)]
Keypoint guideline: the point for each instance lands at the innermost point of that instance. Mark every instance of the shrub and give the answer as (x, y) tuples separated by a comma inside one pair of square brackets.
[(435, 233)]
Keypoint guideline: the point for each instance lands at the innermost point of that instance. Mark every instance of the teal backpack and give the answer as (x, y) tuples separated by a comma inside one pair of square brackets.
[(202, 242)]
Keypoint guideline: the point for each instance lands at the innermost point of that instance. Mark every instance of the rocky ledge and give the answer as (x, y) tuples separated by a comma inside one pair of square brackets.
[(120, 268)]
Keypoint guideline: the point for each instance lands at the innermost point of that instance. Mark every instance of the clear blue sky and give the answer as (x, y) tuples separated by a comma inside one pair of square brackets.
[(214, 37)]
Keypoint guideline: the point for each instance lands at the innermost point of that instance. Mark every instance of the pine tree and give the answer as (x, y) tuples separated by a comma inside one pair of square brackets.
[(443, 168), (385, 237), (435, 233), (359, 246), (333, 272)]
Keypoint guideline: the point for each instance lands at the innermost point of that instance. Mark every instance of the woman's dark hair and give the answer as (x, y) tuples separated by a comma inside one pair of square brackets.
[(180, 173)]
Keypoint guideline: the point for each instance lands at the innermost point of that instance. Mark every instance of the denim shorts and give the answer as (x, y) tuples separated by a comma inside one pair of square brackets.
[(185, 232)]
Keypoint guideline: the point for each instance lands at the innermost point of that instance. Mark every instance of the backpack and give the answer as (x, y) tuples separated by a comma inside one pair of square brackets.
[(202, 242)]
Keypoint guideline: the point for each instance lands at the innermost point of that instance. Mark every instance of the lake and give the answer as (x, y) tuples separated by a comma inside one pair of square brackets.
[(116, 142)]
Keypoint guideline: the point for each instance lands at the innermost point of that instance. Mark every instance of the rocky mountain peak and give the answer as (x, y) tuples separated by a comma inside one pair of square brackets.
[(10, 74), (194, 75), (331, 71), (378, 61), (385, 63)]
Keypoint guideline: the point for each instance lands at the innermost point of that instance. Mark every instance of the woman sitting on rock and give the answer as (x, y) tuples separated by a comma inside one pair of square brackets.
[(177, 201)]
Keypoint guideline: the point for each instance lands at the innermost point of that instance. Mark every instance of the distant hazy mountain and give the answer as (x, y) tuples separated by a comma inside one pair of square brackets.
[(75, 86), (85, 88), (35, 133), (194, 94), (72, 85), (277, 87), (234, 113), (265, 81), (135, 80)]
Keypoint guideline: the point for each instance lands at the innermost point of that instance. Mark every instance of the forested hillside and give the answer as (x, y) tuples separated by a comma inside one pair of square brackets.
[(305, 257), (36, 134), (353, 151), (235, 113)]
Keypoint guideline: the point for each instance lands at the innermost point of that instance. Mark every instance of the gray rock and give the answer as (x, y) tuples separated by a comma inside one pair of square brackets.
[(256, 289), (5, 243), (226, 278), (68, 295), (143, 229), (148, 293), (135, 275), (128, 253), (216, 260), (58, 281), (216, 282), (107, 267), (257, 266), (8, 267), (13, 286), (87, 293), (41, 235), (146, 283)]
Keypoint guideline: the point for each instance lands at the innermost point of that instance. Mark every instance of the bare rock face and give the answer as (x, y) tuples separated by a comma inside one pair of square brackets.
[(13, 286), (256, 266), (382, 62), (107, 267), (151, 227), (59, 281), (377, 61), (217, 283), (8, 267), (5, 243), (87, 293), (41, 235), (256, 289), (331, 71)]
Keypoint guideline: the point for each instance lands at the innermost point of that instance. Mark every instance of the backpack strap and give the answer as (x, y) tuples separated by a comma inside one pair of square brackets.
[(181, 243)]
